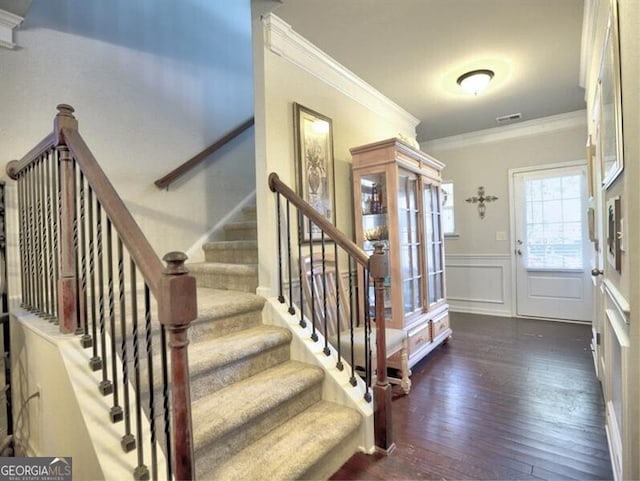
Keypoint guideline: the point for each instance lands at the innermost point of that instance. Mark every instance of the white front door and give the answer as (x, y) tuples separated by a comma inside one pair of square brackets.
[(551, 244)]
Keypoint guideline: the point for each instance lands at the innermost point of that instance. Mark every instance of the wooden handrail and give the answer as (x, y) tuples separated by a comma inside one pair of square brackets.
[(167, 180), (276, 185), (16, 166)]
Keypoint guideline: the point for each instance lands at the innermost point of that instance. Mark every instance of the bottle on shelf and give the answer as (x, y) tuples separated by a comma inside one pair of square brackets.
[(376, 204)]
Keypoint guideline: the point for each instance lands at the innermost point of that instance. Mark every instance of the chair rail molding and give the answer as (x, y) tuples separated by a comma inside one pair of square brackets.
[(8, 22), (479, 283), (282, 40)]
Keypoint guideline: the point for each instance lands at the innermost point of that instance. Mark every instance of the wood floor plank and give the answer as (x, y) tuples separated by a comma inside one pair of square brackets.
[(505, 399)]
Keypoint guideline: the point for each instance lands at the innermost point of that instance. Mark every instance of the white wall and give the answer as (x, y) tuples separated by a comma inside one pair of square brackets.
[(479, 267), (619, 350), (288, 70), (153, 83)]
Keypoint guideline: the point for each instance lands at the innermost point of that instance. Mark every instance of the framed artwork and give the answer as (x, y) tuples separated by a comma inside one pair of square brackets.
[(614, 233), (591, 223), (611, 150), (590, 167), (314, 165)]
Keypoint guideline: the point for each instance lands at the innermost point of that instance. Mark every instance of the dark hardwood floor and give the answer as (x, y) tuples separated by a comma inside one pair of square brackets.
[(504, 399)]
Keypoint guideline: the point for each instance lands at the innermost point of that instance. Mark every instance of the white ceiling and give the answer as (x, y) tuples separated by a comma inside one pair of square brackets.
[(413, 51)]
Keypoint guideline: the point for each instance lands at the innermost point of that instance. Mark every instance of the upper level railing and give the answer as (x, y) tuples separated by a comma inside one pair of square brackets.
[(175, 174), (303, 262), (86, 265)]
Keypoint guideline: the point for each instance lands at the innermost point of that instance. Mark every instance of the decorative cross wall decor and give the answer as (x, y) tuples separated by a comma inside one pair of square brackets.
[(480, 199)]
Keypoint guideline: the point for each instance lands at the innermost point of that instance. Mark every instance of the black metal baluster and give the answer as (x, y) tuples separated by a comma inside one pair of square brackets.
[(57, 202), (280, 280), (141, 472), (105, 386), (128, 441), (49, 247), (152, 407), (96, 361), (326, 349), (21, 237), (367, 336), (355, 306), (303, 322), (86, 340), (30, 238), (76, 251), (39, 297), (165, 400), (44, 265), (312, 285), (291, 309), (116, 411), (338, 346)]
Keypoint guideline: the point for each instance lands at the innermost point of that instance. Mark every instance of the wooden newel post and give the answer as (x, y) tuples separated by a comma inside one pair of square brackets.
[(379, 269), (67, 282), (177, 308)]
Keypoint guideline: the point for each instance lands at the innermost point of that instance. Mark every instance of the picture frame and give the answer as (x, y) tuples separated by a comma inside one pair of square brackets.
[(610, 124), (614, 233), (591, 158), (591, 223), (313, 135)]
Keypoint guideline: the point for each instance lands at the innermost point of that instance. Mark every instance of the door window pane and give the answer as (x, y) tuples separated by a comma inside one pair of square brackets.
[(554, 222)]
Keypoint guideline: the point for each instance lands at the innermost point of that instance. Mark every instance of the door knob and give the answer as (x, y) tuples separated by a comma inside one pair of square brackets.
[(596, 272), (519, 252)]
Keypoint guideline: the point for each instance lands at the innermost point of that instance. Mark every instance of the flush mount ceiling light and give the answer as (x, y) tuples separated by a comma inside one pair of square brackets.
[(475, 81)]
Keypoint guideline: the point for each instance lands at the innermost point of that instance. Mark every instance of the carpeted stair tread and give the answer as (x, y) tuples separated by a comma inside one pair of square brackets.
[(218, 303), (231, 418), (223, 267), (231, 251), (220, 275), (293, 450), (230, 244), (236, 346)]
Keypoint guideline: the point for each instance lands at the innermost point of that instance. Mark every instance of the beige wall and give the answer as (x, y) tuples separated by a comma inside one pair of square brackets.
[(471, 163), (280, 83)]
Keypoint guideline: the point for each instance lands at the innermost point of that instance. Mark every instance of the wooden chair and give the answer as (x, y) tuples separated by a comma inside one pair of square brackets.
[(326, 289)]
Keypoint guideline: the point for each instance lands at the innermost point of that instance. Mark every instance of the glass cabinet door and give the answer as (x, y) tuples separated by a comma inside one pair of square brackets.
[(409, 248), (433, 244), (375, 226)]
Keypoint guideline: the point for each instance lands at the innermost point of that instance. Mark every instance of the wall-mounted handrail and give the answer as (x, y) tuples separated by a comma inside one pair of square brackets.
[(167, 180)]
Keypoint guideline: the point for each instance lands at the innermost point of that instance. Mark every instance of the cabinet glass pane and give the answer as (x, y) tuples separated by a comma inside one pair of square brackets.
[(375, 222), (409, 248), (433, 243)]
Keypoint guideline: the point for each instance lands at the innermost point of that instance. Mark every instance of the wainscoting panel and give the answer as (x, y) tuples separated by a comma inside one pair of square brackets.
[(479, 283)]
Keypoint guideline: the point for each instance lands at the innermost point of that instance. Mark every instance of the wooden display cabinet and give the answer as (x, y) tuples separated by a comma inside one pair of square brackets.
[(397, 201)]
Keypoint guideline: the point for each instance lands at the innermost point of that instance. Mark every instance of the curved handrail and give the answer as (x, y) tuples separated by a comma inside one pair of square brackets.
[(167, 180), (276, 185), (16, 166)]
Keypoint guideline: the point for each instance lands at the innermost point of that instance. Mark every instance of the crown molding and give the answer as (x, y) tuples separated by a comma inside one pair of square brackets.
[(282, 40), (554, 123), (8, 21)]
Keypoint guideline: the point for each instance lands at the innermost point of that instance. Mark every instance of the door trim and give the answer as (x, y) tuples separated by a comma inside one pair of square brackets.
[(512, 216)]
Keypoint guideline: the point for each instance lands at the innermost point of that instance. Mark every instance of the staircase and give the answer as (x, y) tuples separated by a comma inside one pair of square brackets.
[(257, 414)]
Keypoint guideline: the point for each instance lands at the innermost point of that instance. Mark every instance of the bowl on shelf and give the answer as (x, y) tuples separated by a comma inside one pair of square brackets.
[(380, 232)]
